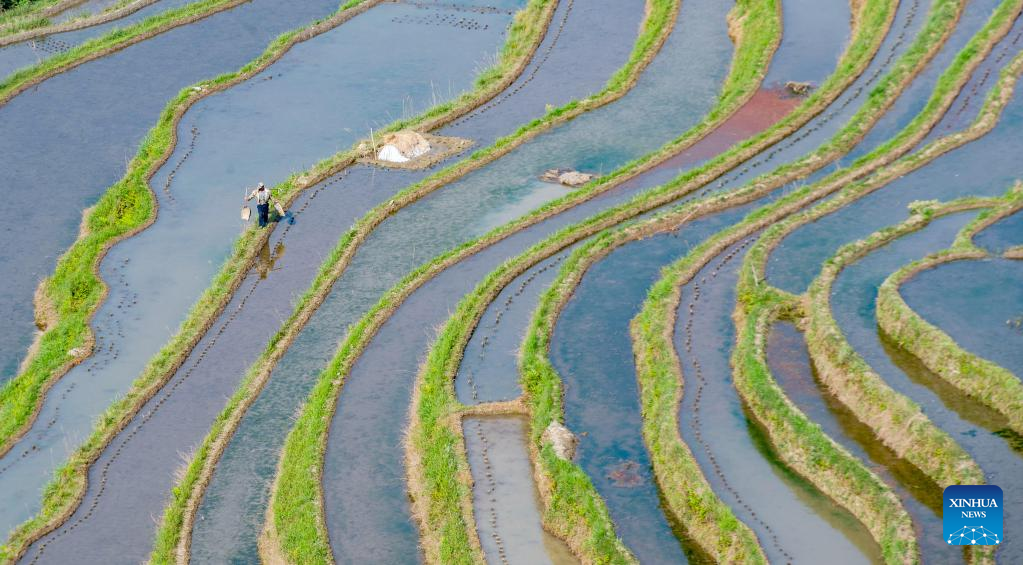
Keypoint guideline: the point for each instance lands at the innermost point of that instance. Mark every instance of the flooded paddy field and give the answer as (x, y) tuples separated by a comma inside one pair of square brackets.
[(619, 310), (1001, 236), (69, 157), (237, 495), (21, 54), (977, 304), (972, 426), (143, 302)]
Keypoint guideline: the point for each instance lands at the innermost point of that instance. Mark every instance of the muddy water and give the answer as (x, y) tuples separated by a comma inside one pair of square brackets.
[(231, 513), (853, 298), (184, 252), (378, 386), (978, 303), (508, 519), (906, 23), (975, 14), (663, 101), (28, 53), (491, 355), (69, 158), (1001, 235), (790, 365)]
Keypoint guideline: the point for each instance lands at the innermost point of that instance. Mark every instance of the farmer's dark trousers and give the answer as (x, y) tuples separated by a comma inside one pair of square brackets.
[(264, 214)]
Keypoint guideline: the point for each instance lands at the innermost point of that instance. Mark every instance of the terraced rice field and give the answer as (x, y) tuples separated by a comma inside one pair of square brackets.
[(550, 281)]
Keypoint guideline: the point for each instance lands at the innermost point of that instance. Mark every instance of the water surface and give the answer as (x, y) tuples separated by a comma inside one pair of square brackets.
[(978, 303), (508, 521), (853, 299), (68, 158), (165, 267)]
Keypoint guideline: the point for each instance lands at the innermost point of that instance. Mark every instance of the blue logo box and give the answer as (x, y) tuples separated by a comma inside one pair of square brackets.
[(972, 515)]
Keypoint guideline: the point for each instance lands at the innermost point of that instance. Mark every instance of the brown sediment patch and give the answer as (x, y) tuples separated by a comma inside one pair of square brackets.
[(83, 225), (767, 106), (441, 147), (45, 316), (400, 294), (789, 367), (789, 211), (516, 407), (855, 8), (102, 17), (1014, 252), (793, 120), (45, 312), (626, 474)]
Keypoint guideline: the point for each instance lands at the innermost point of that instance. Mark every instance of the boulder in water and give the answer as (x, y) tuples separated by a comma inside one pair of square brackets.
[(799, 88), (561, 439), (567, 177)]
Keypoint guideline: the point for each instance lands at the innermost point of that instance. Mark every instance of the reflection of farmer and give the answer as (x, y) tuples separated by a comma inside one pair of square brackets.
[(263, 197), (266, 259)]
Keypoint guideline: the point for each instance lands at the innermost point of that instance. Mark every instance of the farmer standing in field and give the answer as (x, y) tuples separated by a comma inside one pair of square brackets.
[(262, 196)]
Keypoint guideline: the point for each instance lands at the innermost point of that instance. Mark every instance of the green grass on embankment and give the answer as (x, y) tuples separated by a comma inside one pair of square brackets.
[(296, 515), (119, 38), (973, 375), (304, 444), (524, 35), (17, 16), (439, 473), (658, 364)]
